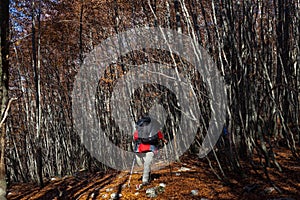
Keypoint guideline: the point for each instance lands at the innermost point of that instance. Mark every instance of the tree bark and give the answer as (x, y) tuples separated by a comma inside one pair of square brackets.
[(36, 68), (4, 65)]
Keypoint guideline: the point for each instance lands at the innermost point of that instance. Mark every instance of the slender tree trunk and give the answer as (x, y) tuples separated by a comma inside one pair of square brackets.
[(80, 32), (4, 65), (2, 164), (36, 67)]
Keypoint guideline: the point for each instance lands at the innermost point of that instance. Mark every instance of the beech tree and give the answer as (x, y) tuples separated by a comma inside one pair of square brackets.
[(4, 70)]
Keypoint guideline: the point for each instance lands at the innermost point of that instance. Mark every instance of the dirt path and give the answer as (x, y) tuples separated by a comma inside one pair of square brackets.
[(191, 174)]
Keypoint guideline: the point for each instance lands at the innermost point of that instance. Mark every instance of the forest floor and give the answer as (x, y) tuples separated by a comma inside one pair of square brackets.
[(190, 174)]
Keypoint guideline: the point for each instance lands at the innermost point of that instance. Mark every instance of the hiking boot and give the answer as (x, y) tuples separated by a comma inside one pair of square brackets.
[(140, 186)]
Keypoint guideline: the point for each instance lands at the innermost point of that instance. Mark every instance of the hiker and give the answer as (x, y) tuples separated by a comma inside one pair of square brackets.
[(147, 137)]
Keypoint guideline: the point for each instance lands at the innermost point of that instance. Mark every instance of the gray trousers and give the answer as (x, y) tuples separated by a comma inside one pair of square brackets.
[(146, 160)]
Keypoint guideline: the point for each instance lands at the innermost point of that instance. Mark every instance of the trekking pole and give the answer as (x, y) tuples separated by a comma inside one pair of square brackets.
[(131, 171), (168, 161)]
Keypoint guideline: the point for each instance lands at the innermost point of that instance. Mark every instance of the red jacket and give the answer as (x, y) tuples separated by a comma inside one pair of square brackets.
[(142, 148)]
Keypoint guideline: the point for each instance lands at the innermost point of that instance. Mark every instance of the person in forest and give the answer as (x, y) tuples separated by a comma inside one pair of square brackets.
[(147, 138)]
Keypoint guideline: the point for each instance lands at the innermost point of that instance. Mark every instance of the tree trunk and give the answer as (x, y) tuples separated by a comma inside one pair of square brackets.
[(4, 64), (36, 68), (3, 184)]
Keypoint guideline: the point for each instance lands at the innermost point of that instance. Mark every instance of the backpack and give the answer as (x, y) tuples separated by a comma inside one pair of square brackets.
[(147, 131)]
